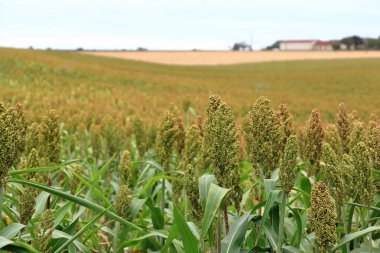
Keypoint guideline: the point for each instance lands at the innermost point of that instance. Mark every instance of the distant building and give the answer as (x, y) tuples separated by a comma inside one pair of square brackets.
[(309, 45), (297, 45)]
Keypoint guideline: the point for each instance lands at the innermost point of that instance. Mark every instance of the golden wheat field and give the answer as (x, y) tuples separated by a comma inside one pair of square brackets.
[(231, 57)]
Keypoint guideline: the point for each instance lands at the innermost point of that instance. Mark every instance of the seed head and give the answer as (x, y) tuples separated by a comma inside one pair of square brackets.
[(44, 232), (192, 191), (125, 170), (357, 134), (334, 176), (12, 139), (140, 136), (166, 138), (264, 134), (322, 215), (344, 127), (222, 147), (27, 204), (332, 138), (362, 175), (288, 164), (314, 140), (286, 121), (123, 201), (180, 145), (373, 143), (53, 137)]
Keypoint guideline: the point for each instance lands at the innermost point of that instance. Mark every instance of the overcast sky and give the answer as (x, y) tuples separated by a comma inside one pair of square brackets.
[(180, 24)]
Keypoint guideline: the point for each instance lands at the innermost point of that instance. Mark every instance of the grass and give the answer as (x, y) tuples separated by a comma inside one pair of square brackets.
[(67, 81)]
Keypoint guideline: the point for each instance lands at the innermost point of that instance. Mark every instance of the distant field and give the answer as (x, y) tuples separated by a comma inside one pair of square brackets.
[(229, 57), (84, 87)]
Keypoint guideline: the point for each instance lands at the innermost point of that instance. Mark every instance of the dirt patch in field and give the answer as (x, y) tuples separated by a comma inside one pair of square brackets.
[(229, 57)]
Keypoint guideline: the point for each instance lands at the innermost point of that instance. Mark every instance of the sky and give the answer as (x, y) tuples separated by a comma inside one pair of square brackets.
[(180, 24)]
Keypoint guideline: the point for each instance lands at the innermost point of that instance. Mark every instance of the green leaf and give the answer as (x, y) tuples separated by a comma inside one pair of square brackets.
[(296, 239), (80, 232), (273, 196), (204, 186), (79, 201), (236, 235), (136, 205), (17, 247), (355, 235), (214, 198), (11, 230), (190, 242), (157, 217), (172, 235)]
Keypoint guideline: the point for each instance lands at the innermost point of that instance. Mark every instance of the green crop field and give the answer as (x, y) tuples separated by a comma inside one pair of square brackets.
[(111, 155)]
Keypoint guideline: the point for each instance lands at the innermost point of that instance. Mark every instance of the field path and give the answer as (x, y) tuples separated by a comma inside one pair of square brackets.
[(230, 57)]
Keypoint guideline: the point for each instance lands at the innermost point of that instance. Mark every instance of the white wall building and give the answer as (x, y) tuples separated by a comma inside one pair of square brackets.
[(308, 45), (297, 45)]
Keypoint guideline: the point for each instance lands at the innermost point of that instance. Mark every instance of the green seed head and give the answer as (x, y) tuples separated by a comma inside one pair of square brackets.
[(265, 136), (190, 185), (53, 137), (123, 201), (286, 121), (180, 144), (44, 232), (193, 144), (222, 146), (314, 140), (140, 136), (322, 215), (288, 164), (373, 143), (332, 138), (362, 175), (334, 175), (125, 170), (357, 134), (27, 204), (12, 139), (166, 138), (344, 127)]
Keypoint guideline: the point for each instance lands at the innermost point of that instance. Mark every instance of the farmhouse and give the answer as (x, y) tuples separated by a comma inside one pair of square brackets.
[(308, 45)]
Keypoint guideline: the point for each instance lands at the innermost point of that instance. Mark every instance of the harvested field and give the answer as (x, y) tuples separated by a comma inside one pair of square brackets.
[(229, 57)]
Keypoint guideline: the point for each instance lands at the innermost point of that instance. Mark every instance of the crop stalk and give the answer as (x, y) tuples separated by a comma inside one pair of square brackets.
[(226, 218), (343, 211), (370, 234), (115, 237), (219, 236), (281, 224), (1, 201)]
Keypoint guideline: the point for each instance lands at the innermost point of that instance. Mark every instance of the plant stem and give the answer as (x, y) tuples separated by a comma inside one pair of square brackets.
[(343, 210), (370, 234), (1, 201), (281, 224), (226, 219), (163, 204), (219, 239), (115, 238)]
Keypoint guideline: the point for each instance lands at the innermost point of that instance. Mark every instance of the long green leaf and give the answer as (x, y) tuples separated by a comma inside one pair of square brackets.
[(79, 201), (80, 232), (273, 196), (204, 186), (11, 230), (236, 235), (190, 242), (214, 198), (354, 235)]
